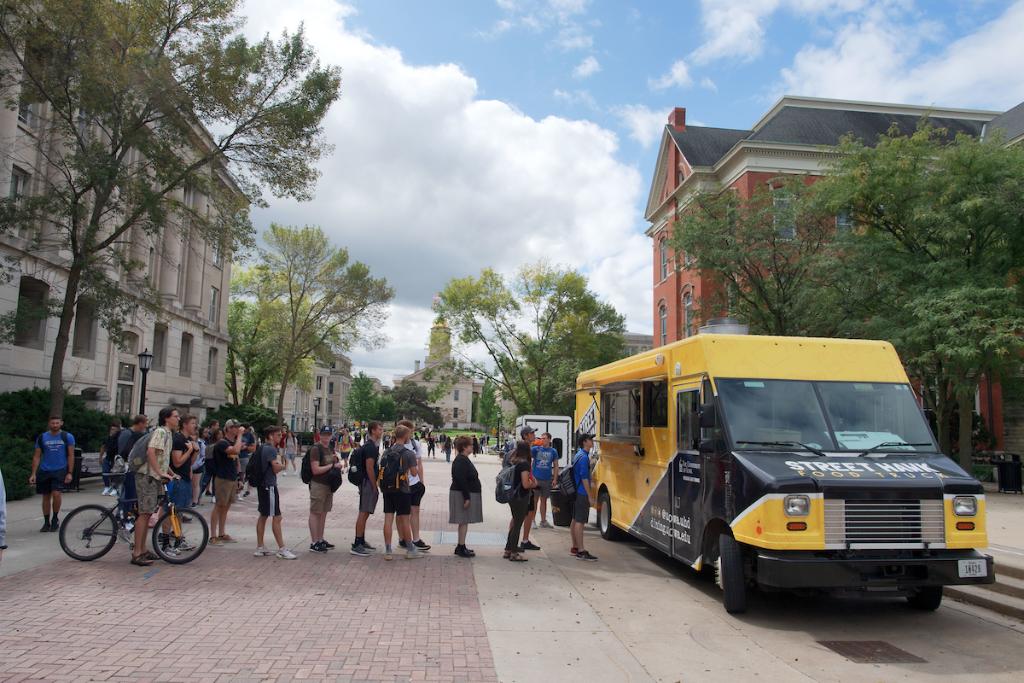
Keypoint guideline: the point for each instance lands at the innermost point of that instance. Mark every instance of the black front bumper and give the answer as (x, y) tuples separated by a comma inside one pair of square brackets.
[(776, 569)]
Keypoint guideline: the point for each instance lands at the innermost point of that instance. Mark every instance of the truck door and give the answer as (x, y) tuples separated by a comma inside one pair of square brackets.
[(686, 478)]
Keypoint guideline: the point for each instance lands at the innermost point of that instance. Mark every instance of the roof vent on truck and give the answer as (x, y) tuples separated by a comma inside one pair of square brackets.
[(724, 326)]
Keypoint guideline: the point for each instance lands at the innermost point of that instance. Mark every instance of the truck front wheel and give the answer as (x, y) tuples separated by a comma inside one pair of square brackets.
[(928, 598), (609, 531), (729, 575)]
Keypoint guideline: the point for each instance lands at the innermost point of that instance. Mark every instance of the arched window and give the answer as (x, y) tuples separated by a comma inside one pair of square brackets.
[(688, 314), (663, 323), (663, 256)]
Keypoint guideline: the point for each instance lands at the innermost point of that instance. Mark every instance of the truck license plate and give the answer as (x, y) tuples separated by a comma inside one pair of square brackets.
[(972, 569)]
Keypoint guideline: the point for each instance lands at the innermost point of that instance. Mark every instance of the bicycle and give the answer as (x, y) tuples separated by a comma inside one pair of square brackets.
[(89, 532)]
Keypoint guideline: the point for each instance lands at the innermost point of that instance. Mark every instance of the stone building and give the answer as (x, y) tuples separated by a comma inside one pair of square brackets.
[(188, 338), (331, 384)]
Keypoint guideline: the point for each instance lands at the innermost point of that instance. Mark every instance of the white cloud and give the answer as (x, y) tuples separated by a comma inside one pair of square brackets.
[(572, 38), (588, 67), (576, 97), (879, 57), (561, 16), (429, 181), (643, 123), (708, 84), (736, 29), (677, 75)]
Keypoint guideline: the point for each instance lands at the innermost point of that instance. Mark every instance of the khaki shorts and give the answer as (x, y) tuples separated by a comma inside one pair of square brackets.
[(149, 491), (321, 498), (224, 491)]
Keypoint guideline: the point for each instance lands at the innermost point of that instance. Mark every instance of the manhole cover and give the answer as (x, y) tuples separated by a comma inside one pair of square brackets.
[(870, 651)]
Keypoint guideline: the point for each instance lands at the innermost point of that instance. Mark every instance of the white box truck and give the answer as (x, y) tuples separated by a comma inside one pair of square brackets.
[(560, 428)]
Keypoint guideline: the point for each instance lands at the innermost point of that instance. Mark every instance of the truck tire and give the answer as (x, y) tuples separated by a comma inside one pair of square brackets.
[(729, 575), (926, 599), (609, 531)]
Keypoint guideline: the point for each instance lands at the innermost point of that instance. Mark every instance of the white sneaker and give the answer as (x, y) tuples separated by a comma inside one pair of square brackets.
[(284, 474), (262, 552), (285, 554), (106, 491)]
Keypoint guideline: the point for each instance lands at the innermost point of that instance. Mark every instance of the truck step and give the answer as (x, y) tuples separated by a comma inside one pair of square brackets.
[(982, 596)]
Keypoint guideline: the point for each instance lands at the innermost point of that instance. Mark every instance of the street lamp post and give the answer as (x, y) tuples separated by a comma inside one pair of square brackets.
[(316, 410), (145, 363)]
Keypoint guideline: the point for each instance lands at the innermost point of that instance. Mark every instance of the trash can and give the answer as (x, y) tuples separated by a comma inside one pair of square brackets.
[(76, 471), (561, 508), (1009, 474)]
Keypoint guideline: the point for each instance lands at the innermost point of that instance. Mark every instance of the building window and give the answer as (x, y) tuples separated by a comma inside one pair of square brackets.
[(123, 398), (30, 317), (785, 224), (455, 395), (19, 183), (130, 343), (160, 348), (218, 254), (185, 366), (214, 306), (84, 343), (663, 257), (330, 387), (152, 267), (82, 123), (455, 413), (27, 113), (844, 223), (330, 406), (211, 366), (663, 323), (319, 383), (688, 314), (125, 372)]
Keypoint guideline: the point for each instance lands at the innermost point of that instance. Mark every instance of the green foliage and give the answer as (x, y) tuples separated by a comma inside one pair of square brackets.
[(16, 465), (413, 402), (361, 402), (489, 410), (385, 409), (260, 417), (983, 472), (256, 352), (124, 86), (539, 331), (765, 256), (328, 302), (24, 414)]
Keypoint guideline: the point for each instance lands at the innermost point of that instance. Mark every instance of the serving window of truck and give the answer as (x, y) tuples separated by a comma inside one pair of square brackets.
[(783, 463)]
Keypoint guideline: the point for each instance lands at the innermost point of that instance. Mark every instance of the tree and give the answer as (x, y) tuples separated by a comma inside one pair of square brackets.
[(936, 259), (538, 332), (361, 402), (413, 402), (764, 257), (256, 324), (385, 409), (329, 303), (260, 417), (489, 408), (145, 104)]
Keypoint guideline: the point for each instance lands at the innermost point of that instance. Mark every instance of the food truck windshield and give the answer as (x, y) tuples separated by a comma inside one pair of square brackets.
[(827, 416)]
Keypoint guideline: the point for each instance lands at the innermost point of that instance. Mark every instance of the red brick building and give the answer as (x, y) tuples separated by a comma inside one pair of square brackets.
[(791, 138)]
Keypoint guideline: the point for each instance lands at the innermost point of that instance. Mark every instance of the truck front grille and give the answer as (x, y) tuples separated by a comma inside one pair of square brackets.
[(884, 523)]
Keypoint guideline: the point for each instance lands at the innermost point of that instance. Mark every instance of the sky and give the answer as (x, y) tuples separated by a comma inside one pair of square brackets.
[(493, 133)]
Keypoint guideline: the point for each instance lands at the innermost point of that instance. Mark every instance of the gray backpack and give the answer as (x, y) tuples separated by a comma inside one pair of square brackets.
[(137, 457), (505, 484)]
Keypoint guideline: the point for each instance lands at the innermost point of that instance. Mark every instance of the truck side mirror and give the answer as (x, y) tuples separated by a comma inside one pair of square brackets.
[(708, 416)]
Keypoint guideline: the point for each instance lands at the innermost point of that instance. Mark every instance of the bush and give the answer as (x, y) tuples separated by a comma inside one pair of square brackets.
[(260, 417), (982, 472), (16, 464), (24, 414)]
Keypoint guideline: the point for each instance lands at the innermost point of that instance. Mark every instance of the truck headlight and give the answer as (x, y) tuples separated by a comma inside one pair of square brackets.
[(965, 506), (797, 506)]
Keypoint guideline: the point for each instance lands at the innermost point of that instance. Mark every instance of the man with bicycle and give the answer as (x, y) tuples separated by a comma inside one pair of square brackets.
[(149, 480)]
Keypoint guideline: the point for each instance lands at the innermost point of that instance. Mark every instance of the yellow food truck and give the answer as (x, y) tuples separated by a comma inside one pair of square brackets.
[(784, 463)]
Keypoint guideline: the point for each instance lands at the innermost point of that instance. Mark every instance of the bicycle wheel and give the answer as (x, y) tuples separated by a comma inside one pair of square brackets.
[(185, 539), (88, 532)]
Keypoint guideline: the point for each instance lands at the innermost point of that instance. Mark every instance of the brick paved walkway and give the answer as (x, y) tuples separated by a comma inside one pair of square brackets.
[(230, 616)]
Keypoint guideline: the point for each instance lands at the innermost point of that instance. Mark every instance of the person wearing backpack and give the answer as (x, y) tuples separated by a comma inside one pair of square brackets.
[(149, 480), (396, 466), (366, 457), (522, 495), (264, 467), (465, 504), (225, 481), (581, 504), (417, 488), (321, 496), (52, 464)]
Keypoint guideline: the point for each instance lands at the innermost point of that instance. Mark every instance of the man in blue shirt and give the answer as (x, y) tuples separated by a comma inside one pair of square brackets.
[(52, 462), (581, 506), (545, 470)]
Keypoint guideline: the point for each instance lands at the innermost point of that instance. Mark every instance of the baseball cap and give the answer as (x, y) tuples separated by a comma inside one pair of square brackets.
[(526, 430), (232, 423), (326, 430)]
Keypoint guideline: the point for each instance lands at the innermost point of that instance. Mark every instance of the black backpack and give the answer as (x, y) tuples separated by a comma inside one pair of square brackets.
[(356, 465), (391, 475), (306, 471), (255, 470)]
